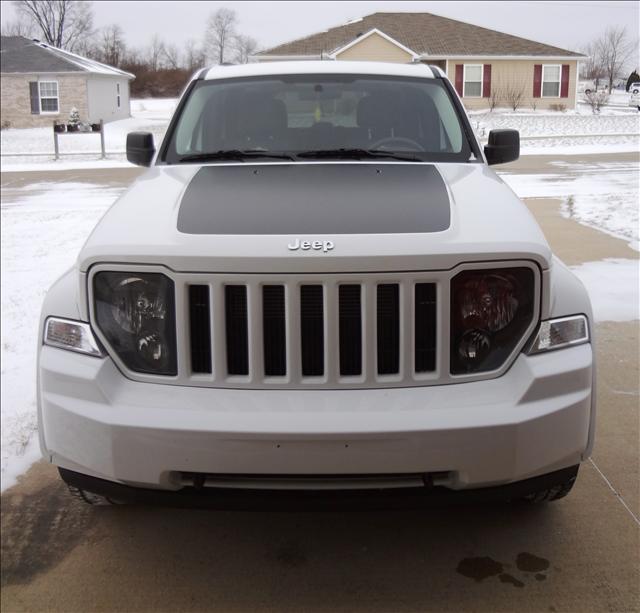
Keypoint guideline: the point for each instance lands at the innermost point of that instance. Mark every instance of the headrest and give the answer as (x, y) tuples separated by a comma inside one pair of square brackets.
[(260, 115), (378, 111)]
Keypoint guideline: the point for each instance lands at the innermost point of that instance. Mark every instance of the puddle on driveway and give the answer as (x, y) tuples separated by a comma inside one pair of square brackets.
[(479, 569), (482, 568), (528, 563)]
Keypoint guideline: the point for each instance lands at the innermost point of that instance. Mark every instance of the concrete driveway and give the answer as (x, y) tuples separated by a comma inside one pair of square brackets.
[(578, 554)]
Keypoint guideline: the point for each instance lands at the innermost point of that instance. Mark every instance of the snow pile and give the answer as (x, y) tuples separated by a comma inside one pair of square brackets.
[(603, 195), (43, 228), (613, 288)]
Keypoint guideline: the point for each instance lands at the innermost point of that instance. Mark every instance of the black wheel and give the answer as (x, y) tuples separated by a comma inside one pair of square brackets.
[(553, 493), (95, 500)]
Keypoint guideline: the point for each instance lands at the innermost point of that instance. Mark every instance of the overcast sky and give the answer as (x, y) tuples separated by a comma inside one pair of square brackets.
[(562, 23)]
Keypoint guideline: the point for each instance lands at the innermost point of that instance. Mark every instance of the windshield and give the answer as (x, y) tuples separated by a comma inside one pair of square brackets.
[(323, 116)]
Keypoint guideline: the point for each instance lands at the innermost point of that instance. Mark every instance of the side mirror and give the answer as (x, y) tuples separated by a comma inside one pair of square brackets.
[(140, 148), (503, 146)]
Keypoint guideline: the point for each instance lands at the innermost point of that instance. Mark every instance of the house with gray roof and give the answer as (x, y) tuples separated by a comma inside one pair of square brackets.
[(486, 66), (40, 84)]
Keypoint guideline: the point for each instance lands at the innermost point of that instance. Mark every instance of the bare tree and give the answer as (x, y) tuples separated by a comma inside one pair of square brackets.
[(18, 27), (171, 56), (112, 46), (615, 49), (592, 68), (62, 23), (514, 94), (220, 33), (193, 57), (155, 53), (495, 97), (245, 47), (597, 100)]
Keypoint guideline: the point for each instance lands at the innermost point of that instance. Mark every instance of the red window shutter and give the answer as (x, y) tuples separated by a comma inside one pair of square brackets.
[(537, 80), (486, 81), (459, 77), (564, 81)]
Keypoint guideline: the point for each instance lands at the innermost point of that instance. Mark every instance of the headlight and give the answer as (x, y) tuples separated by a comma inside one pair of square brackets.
[(559, 333), (71, 335), (136, 314), (490, 312)]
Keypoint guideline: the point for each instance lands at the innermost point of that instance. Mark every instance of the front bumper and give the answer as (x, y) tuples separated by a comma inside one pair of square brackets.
[(532, 421), (314, 500)]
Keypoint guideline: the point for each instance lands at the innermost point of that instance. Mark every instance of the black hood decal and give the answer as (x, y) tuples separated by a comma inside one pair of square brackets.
[(315, 199)]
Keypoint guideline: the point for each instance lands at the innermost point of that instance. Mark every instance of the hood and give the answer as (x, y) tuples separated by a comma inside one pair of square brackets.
[(306, 200), (316, 217)]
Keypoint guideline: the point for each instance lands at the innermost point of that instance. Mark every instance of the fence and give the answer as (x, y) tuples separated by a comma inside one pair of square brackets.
[(57, 131)]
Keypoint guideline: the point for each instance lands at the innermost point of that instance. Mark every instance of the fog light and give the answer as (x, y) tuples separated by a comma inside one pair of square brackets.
[(559, 333), (71, 335), (474, 345)]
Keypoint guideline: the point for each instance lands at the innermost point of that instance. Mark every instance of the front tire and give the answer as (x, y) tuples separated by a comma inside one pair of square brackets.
[(95, 500), (555, 492)]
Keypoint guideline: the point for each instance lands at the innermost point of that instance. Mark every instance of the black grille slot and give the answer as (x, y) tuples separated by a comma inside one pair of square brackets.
[(236, 329), (312, 330), (425, 327), (350, 330), (200, 328), (273, 325), (388, 328)]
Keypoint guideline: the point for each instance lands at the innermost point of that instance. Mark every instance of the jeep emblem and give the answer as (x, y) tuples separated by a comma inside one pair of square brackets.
[(306, 245)]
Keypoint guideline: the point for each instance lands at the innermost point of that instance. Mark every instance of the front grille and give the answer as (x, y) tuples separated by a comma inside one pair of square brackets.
[(425, 327), (329, 333), (274, 327), (350, 330), (237, 334), (200, 328), (388, 326), (312, 330)]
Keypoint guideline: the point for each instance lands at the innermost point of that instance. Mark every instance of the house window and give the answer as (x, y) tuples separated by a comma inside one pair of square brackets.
[(551, 80), (472, 81), (48, 96), (118, 94)]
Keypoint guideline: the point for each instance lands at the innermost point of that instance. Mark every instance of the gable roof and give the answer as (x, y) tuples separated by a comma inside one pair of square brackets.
[(426, 34), (21, 55), (374, 32)]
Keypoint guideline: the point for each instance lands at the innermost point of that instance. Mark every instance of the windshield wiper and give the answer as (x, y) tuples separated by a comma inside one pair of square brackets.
[(357, 154), (234, 154)]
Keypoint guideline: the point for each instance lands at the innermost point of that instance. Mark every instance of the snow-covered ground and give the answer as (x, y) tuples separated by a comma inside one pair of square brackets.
[(613, 285), (43, 227), (615, 129), (601, 194), (36, 144)]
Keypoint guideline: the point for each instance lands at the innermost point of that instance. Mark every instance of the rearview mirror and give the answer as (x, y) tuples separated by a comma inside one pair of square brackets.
[(503, 146), (140, 148)]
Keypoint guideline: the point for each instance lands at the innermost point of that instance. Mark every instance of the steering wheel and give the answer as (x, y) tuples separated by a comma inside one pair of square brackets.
[(396, 139)]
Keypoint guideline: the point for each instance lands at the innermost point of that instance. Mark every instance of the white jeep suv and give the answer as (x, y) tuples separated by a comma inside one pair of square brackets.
[(318, 292)]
